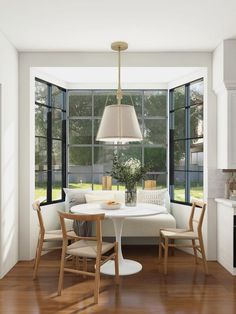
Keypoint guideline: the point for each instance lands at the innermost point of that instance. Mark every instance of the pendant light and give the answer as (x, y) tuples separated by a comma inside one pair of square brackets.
[(119, 122)]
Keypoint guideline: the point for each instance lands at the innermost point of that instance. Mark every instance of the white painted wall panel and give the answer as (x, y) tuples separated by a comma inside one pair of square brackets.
[(8, 156)]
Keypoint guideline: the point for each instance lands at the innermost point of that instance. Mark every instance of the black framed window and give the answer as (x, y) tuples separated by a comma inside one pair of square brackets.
[(89, 160), (66, 150), (50, 141), (186, 142)]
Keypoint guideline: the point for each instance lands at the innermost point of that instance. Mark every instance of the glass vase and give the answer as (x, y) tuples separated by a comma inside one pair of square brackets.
[(130, 197)]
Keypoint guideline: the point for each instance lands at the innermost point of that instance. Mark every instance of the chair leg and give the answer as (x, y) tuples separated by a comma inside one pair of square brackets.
[(203, 256), (160, 249), (166, 256), (195, 251), (77, 262), (172, 241), (117, 264), (61, 275), (36, 253), (85, 265), (38, 256), (97, 281)]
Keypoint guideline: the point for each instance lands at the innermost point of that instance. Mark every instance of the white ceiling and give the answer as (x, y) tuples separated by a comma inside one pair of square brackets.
[(91, 25), (103, 75)]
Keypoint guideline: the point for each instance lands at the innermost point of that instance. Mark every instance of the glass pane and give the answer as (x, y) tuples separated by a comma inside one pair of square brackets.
[(40, 154), (179, 97), (41, 93), (41, 120), (126, 152), (155, 103), (80, 131), (56, 123), (102, 99), (80, 104), (133, 99), (57, 97), (155, 131), (80, 181), (179, 124), (196, 121), (196, 155), (56, 185), (179, 155), (40, 186), (103, 157), (56, 154), (97, 182), (179, 186), (161, 179), (196, 93), (139, 186), (80, 159), (156, 157), (196, 185)]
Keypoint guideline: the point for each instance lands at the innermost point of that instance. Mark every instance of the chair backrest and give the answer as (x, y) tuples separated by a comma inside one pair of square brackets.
[(197, 223), (97, 218), (36, 206)]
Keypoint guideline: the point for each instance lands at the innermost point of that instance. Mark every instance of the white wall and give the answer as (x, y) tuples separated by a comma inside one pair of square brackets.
[(8, 156), (30, 60)]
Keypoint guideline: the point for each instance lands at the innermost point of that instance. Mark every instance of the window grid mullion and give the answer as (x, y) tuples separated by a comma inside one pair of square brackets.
[(187, 144), (64, 157), (171, 145), (92, 139), (142, 129), (49, 147)]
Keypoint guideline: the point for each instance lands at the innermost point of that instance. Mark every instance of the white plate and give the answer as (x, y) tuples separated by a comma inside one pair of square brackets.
[(107, 206)]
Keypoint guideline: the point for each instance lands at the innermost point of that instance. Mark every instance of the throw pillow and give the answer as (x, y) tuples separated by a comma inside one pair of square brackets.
[(74, 197), (99, 197), (119, 196), (158, 197)]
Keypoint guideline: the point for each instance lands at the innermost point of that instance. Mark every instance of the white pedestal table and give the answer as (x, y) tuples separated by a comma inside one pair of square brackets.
[(126, 266)]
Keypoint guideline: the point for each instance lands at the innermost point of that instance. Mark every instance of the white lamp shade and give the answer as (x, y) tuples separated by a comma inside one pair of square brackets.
[(119, 124)]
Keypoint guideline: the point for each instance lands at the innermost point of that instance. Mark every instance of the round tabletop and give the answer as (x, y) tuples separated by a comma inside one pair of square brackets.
[(141, 209)]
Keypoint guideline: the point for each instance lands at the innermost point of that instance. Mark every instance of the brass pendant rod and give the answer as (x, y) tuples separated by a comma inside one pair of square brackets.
[(119, 91), (119, 46)]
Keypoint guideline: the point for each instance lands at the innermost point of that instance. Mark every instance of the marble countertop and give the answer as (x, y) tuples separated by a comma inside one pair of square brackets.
[(226, 202)]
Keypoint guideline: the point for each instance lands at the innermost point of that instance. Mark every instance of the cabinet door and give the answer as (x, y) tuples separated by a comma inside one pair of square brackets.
[(225, 236), (232, 130)]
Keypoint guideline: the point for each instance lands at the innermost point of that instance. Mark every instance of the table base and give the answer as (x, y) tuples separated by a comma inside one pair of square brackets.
[(126, 267)]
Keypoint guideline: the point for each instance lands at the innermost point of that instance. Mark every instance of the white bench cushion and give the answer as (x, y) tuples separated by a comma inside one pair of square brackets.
[(148, 226)]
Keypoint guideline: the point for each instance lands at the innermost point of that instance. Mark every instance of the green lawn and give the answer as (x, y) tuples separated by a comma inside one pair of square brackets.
[(196, 192), (40, 193)]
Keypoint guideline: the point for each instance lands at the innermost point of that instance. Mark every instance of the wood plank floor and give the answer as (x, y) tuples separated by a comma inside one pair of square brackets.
[(185, 290)]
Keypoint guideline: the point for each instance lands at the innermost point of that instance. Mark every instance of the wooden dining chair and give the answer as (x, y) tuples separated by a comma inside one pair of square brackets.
[(46, 237), (87, 248), (193, 233)]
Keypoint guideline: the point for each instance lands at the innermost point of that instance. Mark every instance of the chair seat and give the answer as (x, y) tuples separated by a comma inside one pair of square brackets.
[(177, 230), (178, 234), (56, 235), (87, 248)]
